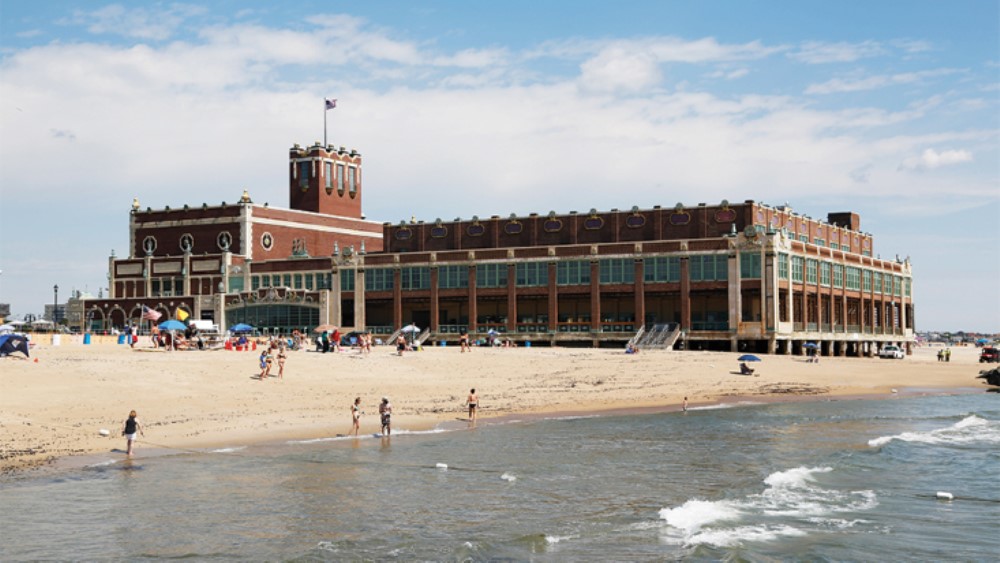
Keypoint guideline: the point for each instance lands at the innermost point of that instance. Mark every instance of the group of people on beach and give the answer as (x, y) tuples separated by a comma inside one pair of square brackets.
[(275, 349), (944, 355)]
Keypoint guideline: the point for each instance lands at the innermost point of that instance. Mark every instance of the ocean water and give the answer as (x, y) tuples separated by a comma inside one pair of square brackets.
[(823, 481)]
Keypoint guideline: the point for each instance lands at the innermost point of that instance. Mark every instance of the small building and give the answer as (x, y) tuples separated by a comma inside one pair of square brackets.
[(731, 276)]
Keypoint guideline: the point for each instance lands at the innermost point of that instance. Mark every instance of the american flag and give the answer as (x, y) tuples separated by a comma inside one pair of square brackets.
[(150, 314), (330, 104)]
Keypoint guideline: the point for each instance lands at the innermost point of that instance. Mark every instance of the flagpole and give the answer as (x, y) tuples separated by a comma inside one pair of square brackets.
[(324, 122)]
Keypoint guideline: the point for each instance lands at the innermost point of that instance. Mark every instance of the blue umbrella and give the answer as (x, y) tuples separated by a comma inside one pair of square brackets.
[(748, 358), (811, 345), (241, 327), (172, 325)]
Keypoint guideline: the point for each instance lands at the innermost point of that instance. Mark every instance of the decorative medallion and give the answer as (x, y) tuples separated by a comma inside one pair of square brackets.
[(439, 230), (514, 227), (679, 216), (187, 243), (224, 241), (267, 241), (149, 245), (403, 233), (594, 222), (552, 225), (726, 214), (636, 219), (475, 229)]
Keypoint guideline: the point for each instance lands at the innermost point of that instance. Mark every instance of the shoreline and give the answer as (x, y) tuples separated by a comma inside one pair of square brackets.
[(199, 401)]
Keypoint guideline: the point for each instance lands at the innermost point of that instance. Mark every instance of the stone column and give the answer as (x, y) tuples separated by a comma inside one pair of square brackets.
[(360, 323), (435, 300), (473, 307), (735, 301), (595, 296), (511, 298), (553, 298), (639, 291), (685, 294), (397, 298)]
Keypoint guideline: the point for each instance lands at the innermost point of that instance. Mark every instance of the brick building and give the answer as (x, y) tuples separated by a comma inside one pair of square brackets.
[(734, 276)]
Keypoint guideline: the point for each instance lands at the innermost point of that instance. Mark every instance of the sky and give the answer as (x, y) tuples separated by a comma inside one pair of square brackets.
[(889, 109)]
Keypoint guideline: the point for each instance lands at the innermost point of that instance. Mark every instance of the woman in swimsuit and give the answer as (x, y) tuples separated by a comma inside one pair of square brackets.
[(356, 415), (473, 403), (281, 361), (385, 409)]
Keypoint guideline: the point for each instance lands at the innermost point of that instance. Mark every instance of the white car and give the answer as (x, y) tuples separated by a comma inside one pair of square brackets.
[(892, 352)]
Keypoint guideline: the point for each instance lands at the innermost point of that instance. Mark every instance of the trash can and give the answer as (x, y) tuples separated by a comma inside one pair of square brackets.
[(56, 339), (443, 343), (527, 344), (121, 339), (86, 338)]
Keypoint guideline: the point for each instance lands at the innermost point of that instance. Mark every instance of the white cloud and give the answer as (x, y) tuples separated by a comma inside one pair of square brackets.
[(838, 85), (816, 52), (142, 23), (931, 159)]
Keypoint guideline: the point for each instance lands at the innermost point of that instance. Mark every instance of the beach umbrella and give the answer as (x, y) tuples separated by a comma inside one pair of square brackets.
[(172, 325), (410, 328), (9, 327), (811, 345), (492, 332), (748, 358), (325, 328), (240, 327)]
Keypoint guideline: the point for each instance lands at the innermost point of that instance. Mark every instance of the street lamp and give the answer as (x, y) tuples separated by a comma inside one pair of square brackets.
[(55, 304)]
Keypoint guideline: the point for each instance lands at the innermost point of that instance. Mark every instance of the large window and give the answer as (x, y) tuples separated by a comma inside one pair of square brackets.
[(530, 274), (303, 174), (824, 273), (346, 280), (378, 279), (491, 275), (749, 265), (617, 270), (838, 275), (309, 281), (853, 278), (708, 267), (418, 277), (575, 272), (340, 179), (352, 180), (662, 269), (453, 277), (783, 266), (328, 175), (897, 286), (798, 266), (810, 271), (877, 282), (866, 280)]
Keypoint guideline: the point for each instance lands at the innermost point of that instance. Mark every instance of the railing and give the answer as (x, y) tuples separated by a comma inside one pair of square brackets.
[(452, 329), (811, 327), (573, 327), (638, 336), (485, 328), (532, 327), (610, 326), (710, 326), (380, 329)]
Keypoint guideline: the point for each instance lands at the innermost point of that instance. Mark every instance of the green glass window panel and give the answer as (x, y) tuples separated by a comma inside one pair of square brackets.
[(491, 275), (254, 282), (309, 281), (811, 266), (824, 273), (453, 277), (749, 265), (617, 271), (235, 284), (838, 275), (798, 267), (574, 272), (415, 278), (346, 280), (662, 269), (783, 266), (532, 274), (328, 174), (303, 174), (379, 279), (866, 280)]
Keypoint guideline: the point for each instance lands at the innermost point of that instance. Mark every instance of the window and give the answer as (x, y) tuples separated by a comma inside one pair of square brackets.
[(328, 175), (853, 278), (309, 281), (324, 281), (838, 275), (810, 271), (352, 184), (617, 270), (749, 265), (418, 277), (254, 282), (798, 264), (340, 179), (346, 280), (491, 275), (824, 274), (708, 267), (834, 246), (286, 280), (906, 287), (662, 269), (530, 274), (304, 174), (877, 282), (866, 280), (897, 286), (783, 266), (298, 281), (575, 272), (378, 279), (819, 242), (453, 277), (804, 238)]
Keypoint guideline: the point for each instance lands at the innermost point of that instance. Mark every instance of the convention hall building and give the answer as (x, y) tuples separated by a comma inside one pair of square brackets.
[(723, 276)]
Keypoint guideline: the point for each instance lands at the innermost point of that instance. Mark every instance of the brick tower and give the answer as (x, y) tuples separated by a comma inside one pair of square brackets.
[(325, 180)]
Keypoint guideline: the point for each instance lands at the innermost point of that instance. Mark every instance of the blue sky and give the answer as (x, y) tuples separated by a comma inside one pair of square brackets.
[(888, 109)]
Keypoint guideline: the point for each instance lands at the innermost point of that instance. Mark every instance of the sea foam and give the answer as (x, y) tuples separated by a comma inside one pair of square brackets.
[(971, 429)]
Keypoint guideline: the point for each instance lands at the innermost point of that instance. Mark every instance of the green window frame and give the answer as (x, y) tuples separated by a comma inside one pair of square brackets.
[(491, 275), (811, 266), (750, 265), (328, 175), (309, 282), (378, 279), (617, 270), (798, 267), (853, 278), (783, 266), (866, 281), (453, 277), (824, 274), (254, 282), (415, 278), (877, 282), (838, 275), (573, 272), (346, 280), (708, 267), (532, 274), (660, 269)]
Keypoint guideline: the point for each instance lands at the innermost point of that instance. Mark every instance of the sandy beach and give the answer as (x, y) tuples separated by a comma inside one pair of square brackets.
[(56, 406)]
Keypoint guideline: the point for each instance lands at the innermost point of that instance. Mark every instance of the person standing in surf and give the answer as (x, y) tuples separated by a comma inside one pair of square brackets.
[(473, 401), (385, 412), (356, 415), (129, 429)]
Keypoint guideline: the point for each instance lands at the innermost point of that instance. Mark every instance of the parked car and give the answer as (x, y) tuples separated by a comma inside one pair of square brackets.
[(892, 351), (989, 354)]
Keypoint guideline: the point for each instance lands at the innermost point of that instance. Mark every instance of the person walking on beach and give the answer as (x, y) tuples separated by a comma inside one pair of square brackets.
[(356, 416), (385, 413), (400, 344), (129, 430), (281, 360), (463, 341), (473, 402)]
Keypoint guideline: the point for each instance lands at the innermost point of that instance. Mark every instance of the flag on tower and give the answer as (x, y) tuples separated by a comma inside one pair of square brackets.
[(330, 104)]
